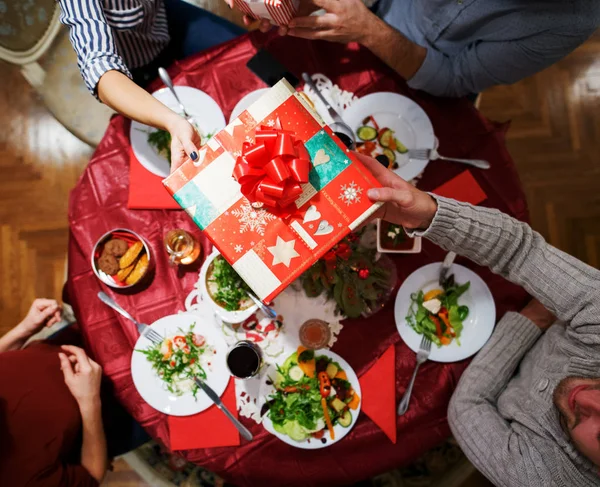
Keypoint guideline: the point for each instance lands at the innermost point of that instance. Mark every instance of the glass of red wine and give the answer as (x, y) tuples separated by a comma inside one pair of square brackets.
[(345, 134), (244, 359)]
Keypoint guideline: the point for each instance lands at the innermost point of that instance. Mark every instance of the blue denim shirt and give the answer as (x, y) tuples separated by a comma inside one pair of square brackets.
[(474, 44)]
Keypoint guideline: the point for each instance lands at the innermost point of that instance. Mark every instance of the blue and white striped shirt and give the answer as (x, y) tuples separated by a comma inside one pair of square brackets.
[(114, 34)]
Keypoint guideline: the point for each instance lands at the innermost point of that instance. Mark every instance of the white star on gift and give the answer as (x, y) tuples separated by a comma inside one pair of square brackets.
[(283, 252)]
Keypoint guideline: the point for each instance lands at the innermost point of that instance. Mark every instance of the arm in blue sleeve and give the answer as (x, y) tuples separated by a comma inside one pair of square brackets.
[(92, 39)]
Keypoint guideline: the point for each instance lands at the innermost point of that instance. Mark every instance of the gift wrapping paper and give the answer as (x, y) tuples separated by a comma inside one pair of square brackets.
[(279, 12), (271, 248)]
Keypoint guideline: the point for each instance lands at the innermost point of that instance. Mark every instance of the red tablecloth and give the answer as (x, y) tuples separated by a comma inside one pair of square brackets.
[(99, 203)]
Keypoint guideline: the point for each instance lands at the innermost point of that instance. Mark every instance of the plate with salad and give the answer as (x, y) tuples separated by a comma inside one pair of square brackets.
[(163, 373), (152, 147), (458, 316), (311, 400), (389, 124)]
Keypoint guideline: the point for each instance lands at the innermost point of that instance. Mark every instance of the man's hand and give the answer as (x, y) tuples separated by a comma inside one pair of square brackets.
[(344, 21), (185, 141), (404, 204), (43, 312), (536, 312), (305, 7), (82, 376)]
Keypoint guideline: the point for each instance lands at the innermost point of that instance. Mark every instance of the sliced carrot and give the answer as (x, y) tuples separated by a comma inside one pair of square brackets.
[(341, 375), (309, 367), (327, 418), (434, 293), (444, 340), (354, 402)]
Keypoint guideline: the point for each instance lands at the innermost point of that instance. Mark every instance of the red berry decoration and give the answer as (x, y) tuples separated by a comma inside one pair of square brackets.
[(363, 273)]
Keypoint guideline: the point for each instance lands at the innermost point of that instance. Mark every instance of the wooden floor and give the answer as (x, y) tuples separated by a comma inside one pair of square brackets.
[(554, 139)]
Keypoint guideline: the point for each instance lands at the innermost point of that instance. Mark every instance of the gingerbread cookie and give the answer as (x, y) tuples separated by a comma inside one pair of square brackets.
[(116, 247), (108, 263)]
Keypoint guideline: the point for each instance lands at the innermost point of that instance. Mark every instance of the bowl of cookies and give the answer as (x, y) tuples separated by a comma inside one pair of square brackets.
[(121, 258)]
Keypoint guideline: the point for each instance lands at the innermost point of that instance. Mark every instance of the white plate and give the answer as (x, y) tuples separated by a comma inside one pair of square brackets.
[(245, 102), (407, 119), (202, 107), (266, 390), (478, 326), (227, 316), (153, 390)]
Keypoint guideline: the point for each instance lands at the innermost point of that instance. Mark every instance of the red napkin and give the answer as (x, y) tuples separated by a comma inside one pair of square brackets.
[(463, 187), (146, 190), (207, 429), (378, 386)]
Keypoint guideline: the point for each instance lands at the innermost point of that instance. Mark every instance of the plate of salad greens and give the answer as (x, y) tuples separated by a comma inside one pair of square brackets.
[(152, 147), (225, 289), (391, 124), (163, 373), (458, 315), (310, 400)]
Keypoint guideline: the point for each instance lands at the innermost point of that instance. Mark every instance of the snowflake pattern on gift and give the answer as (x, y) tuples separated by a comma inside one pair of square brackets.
[(350, 193), (238, 248), (252, 219)]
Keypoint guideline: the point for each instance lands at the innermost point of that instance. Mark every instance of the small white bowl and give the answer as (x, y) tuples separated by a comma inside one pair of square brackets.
[(110, 280), (416, 248), (226, 316)]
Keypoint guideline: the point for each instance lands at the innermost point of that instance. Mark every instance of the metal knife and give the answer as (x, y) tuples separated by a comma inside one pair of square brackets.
[(217, 400), (445, 269)]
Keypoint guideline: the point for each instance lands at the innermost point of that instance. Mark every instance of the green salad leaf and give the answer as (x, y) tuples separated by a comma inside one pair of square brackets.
[(231, 288)]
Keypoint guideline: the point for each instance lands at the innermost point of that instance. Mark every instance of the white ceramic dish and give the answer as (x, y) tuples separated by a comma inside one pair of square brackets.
[(245, 102), (384, 250), (267, 389), (478, 326), (227, 316), (152, 388), (202, 107), (407, 119)]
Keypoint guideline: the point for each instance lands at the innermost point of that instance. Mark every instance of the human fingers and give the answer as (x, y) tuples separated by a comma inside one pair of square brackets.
[(42, 303), (48, 312), (313, 22), (53, 320), (82, 358), (401, 197), (381, 173), (311, 34), (329, 5), (66, 367)]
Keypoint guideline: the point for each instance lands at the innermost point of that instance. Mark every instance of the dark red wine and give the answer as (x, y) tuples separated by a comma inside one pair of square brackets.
[(345, 139), (243, 361)]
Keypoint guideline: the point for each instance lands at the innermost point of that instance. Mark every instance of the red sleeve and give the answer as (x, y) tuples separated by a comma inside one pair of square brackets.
[(64, 475)]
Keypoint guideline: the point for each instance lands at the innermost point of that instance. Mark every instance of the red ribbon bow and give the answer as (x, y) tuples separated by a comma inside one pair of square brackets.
[(272, 170)]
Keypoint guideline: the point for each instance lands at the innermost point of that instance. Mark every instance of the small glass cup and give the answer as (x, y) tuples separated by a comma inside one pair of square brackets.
[(182, 247), (244, 359), (315, 334)]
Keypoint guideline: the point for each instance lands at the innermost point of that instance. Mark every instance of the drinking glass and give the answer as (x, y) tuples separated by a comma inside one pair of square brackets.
[(244, 359), (182, 248), (315, 334)]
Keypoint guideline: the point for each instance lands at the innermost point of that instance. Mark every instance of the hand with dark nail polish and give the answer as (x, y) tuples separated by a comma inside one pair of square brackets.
[(193, 156)]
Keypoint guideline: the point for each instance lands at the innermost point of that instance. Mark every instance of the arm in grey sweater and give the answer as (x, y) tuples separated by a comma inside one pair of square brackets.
[(566, 286)]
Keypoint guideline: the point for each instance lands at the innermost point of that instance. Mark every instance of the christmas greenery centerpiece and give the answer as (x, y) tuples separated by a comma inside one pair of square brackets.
[(352, 276)]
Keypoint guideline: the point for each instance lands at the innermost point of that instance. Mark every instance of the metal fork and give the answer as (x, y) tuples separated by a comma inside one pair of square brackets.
[(144, 330), (166, 79), (422, 356), (433, 154)]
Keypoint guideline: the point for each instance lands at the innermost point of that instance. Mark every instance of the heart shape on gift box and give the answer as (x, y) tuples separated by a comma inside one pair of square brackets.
[(321, 158), (324, 228), (311, 214)]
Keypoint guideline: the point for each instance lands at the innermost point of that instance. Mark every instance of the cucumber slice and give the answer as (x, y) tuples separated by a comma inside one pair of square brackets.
[(345, 419), (390, 155), (296, 373), (400, 147), (386, 138), (366, 133)]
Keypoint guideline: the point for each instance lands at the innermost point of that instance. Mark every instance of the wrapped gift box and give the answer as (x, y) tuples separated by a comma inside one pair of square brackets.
[(279, 12), (270, 247)]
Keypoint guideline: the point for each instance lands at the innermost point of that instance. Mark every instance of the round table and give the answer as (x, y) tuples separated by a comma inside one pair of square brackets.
[(99, 203)]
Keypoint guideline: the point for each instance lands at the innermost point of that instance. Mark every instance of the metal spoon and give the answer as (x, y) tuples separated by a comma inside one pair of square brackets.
[(166, 79), (339, 125)]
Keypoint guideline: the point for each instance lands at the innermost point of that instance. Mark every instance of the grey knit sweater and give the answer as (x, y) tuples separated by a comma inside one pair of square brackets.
[(502, 412)]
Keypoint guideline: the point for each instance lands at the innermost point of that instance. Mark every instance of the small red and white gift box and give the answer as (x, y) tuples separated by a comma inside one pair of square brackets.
[(274, 190), (279, 12)]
